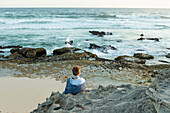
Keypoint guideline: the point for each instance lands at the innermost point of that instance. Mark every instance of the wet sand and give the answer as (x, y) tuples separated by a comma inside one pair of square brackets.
[(22, 95)]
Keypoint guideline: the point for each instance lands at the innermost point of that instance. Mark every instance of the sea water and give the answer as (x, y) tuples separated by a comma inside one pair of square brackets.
[(50, 28)]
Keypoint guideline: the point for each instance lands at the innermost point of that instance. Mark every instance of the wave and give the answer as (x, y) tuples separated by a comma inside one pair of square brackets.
[(11, 16), (165, 17), (104, 16), (162, 26), (3, 38), (36, 22)]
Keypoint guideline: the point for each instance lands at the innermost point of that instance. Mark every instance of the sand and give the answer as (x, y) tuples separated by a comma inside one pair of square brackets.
[(22, 95)]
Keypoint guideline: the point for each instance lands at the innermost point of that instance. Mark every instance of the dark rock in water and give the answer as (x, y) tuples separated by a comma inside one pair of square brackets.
[(100, 34), (5, 47), (87, 40), (94, 32), (36, 53), (65, 50), (13, 50), (1, 56), (142, 35), (130, 59), (24, 51), (15, 55), (118, 40), (143, 56), (28, 53), (164, 61), (156, 39), (70, 42), (109, 33), (2, 52), (102, 48), (140, 50), (168, 55), (94, 46), (168, 48)]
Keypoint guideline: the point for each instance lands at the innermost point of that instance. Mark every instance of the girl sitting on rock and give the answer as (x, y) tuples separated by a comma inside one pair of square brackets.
[(75, 84)]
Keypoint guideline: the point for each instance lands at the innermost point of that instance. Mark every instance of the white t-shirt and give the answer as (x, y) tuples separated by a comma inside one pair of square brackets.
[(77, 81)]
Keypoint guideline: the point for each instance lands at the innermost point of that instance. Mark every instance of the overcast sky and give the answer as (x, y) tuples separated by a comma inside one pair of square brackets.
[(87, 3)]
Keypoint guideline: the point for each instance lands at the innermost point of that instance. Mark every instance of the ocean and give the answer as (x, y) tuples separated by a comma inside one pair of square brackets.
[(50, 28)]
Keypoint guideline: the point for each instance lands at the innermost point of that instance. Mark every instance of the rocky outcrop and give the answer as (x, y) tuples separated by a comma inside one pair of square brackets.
[(143, 56), (168, 55), (118, 99), (1, 51), (13, 50), (1, 56), (69, 42), (103, 48), (100, 34), (130, 59), (155, 39), (65, 50), (36, 53), (27, 53), (15, 55)]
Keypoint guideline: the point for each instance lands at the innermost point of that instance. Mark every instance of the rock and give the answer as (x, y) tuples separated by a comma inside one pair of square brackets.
[(1, 56), (130, 59), (164, 61), (118, 40), (27, 53), (15, 55), (24, 51), (5, 47), (65, 50), (156, 39), (70, 42), (13, 50), (142, 35), (143, 56), (2, 52), (114, 99), (36, 53), (100, 34), (102, 48), (168, 55)]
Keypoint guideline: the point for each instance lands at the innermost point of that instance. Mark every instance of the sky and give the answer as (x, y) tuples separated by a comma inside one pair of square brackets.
[(87, 3)]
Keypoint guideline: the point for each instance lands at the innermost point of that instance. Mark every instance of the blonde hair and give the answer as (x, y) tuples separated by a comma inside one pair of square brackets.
[(76, 70)]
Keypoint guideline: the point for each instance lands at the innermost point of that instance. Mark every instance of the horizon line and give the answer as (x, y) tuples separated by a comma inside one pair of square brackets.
[(87, 7)]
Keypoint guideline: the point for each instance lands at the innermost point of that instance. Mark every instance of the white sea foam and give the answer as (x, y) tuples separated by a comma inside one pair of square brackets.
[(49, 28)]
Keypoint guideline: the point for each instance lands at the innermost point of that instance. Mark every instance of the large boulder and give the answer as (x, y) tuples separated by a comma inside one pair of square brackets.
[(36, 53), (131, 59), (1, 56), (143, 56), (168, 55), (15, 56), (13, 50), (24, 51), (65, 50), (27, 53)]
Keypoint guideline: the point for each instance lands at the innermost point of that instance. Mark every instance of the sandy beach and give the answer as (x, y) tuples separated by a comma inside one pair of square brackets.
[(22, 95)]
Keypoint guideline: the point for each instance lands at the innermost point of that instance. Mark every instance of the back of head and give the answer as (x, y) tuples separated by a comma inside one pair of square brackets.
[(76, 70)]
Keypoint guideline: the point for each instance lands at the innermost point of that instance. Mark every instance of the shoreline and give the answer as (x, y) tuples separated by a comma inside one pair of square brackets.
[(20, 83)]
